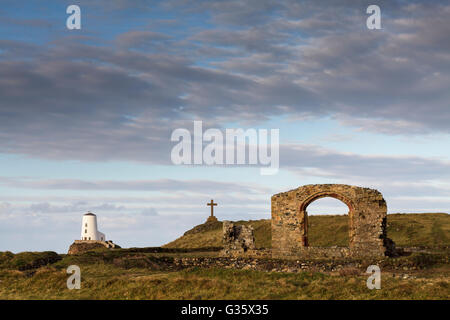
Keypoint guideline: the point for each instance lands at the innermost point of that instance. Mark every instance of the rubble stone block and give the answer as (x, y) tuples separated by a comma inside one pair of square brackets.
[(237, 238)]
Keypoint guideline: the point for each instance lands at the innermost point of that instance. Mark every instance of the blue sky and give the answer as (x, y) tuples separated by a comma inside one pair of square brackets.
[(86, 115)]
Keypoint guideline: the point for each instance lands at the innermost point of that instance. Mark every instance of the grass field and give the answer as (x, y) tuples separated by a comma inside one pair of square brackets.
[(103, 281), (114, 274)]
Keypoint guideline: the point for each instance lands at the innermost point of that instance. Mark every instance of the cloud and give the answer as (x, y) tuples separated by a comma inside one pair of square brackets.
[(84, 98), (314, 160), (5, 207), (191, 186), (149, 212), (140, 39), (48, 208)]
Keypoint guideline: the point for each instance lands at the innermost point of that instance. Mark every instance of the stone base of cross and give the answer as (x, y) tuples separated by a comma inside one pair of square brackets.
[(211, 219)]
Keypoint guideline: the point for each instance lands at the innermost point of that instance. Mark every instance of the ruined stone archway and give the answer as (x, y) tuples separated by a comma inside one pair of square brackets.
[(319, 195), (367, 216)]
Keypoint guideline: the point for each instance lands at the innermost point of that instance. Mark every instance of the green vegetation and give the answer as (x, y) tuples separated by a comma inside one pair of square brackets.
[(149, 273), (419, 230), (328, 230), (105, 281), (27, 260), (407, 230)]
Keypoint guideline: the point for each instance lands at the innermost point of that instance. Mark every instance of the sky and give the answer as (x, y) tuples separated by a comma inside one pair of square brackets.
[(86, 115)]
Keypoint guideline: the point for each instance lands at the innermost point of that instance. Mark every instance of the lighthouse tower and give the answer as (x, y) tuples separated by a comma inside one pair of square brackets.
[(89, 229)]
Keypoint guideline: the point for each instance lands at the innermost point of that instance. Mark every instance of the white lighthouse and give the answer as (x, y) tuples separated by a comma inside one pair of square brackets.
[(89, 229)]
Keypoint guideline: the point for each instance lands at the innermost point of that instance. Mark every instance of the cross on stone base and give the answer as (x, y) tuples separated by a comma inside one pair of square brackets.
[(211, 218)]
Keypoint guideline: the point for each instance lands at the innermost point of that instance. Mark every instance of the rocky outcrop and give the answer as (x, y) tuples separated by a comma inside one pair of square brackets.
[(80, 246)]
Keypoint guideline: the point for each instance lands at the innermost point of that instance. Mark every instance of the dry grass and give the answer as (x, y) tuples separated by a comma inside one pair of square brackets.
[(102, 281), (105, 276)]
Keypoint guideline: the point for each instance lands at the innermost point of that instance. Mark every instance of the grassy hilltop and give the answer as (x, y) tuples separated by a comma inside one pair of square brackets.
[(150, 273), (407, 230)]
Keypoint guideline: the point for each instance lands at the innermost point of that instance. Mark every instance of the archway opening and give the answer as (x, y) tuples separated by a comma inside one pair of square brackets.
[(328, 222)]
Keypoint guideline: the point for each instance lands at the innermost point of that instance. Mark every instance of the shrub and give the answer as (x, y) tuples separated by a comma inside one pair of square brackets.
[(30, 260)]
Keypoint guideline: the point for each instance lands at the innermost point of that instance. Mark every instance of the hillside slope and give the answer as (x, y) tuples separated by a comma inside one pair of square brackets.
[(407, 230)]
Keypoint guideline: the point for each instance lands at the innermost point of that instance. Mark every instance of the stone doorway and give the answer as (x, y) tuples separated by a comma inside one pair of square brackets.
[(367, 220), (327, 223)]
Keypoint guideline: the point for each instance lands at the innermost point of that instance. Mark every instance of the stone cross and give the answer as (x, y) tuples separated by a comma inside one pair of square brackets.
[(212, 204)]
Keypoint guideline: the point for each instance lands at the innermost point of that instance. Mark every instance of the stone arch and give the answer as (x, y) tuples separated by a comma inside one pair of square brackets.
[(324, 194), (367, 214)]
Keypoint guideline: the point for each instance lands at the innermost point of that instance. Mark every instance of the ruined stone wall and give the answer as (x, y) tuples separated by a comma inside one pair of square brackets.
[(272, 265), (367, 219), (237, 239), (319, 252)]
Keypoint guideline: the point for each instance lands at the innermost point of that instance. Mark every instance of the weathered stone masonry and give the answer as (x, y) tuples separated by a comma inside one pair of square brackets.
[(237, 239), (367, 215)]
